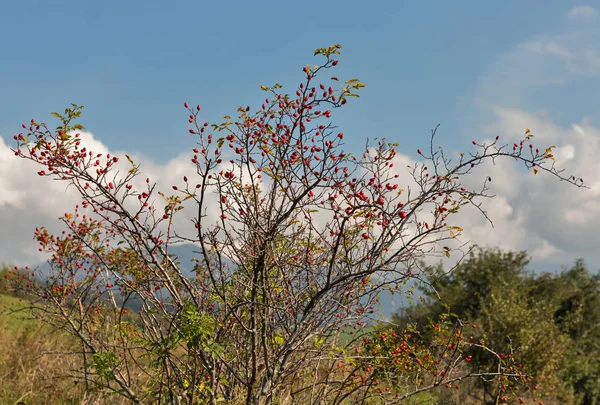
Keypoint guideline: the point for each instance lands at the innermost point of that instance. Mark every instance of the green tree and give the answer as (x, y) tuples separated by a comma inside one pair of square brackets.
[(576, 294), (547, 323)]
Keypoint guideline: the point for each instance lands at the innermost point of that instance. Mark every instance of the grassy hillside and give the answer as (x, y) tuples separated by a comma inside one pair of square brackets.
[(12, 321), (28, 372)]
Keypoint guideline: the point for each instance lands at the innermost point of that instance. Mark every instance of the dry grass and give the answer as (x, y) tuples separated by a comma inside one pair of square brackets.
[(36, 362), (29, 372)]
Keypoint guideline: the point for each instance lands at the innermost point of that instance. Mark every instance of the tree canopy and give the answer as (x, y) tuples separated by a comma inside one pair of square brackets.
[(547, 322)]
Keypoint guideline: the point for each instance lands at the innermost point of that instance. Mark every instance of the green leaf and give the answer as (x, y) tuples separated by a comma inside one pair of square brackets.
[(318, 341)]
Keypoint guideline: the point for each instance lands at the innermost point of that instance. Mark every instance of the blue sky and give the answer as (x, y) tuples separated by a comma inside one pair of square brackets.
[(477, 68), (133, 63)]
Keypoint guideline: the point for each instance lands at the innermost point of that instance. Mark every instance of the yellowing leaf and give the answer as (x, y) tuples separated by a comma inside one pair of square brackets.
[(527, 131), (535, 171), (318, 341)]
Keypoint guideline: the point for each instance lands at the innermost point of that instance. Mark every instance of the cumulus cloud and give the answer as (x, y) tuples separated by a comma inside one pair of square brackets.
[(555, 222), (28, 201), (538, 213)]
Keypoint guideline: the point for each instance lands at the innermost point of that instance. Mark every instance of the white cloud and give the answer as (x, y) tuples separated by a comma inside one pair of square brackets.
[(537, 213), (542, 64), (542, 214), (582, 12), (548, 47), (28, 201), (552, 220)]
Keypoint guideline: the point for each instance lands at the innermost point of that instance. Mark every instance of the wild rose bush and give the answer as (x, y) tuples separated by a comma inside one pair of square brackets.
[(279, 307)]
